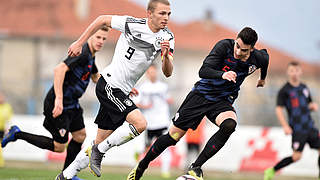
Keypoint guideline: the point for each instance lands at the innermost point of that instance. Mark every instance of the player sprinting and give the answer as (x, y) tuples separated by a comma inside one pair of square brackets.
[(62, 111), (140, 42), (222, 73), (295, 97), (154, 101)]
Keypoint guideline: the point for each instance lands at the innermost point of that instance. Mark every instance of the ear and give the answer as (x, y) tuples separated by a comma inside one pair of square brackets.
[(149, 13)]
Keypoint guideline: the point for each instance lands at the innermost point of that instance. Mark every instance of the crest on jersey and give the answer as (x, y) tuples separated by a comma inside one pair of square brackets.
[(158, 41), (305, 92), (252, 68), (128, 102), (296, 145), (62, 132)]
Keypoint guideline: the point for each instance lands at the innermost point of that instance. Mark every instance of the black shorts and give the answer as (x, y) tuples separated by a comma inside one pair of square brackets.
[(195, 107), (300, 139), (114, 106), (152, 134), (1, 134), (69, 121)]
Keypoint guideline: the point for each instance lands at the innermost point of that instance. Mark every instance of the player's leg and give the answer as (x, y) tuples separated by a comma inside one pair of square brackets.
[(77, 129), (314, 143), (227, 124), (155, 150)]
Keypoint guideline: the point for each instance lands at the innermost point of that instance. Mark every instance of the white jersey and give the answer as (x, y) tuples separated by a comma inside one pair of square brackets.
[(155, 94), (136, 49)]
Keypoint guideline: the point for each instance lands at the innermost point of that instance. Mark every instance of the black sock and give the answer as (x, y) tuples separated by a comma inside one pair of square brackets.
[(73, 149), (42, 142), (284, 162), (156, 149), (216, 142)]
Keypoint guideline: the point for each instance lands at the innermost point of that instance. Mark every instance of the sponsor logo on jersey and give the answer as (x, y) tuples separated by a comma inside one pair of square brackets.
[(128, 102), (62, 132)]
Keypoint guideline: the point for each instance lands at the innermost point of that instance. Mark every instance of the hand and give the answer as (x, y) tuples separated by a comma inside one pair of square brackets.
[(261, 83), (165, 46), (133, 92), (74, 49), (287, 130), (313, 106), (230, 76), (58, 107)]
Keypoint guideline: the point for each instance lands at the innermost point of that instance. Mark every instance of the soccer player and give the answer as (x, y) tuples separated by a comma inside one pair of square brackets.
[(154, 101), (295, 97), (140, 42), (62, 111), (222, 73)]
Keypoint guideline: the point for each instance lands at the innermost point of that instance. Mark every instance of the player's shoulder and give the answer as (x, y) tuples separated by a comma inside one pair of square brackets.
[(261, 54), (134, 20), (224, 44)]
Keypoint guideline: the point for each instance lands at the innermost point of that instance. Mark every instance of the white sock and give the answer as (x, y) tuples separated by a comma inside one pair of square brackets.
[(166, 161), (121, 135), (81, 161)]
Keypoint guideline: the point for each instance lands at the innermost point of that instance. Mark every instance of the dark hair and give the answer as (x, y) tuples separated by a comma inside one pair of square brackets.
[(248, 36), (293, 63), (152, 4)]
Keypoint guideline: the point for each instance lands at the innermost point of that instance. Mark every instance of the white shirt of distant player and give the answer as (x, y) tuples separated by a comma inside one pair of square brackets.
[(158, 116), (136, 49)]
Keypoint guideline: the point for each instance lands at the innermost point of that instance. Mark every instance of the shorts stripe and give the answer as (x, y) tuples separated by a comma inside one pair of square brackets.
[(115, 100)]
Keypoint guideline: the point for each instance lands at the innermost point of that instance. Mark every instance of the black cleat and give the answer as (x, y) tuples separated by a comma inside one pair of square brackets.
[(195, 172), (61, 177), (135, 174)]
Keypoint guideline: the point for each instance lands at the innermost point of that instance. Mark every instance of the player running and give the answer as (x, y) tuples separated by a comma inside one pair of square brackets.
[(140, 42), (295, 97), (222, 73)]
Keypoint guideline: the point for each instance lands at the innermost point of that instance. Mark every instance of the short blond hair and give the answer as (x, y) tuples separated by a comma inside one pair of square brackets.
[(152, 4)]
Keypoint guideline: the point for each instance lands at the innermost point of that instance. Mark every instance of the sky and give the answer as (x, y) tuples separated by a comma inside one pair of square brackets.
[(292, 26)]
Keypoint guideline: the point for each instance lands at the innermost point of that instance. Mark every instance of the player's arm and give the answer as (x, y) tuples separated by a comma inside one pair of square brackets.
[(167, 58), (312, 105), (211, 67), (264, 68), (281, 100), (98, 23), (59, 75), (95, 75)]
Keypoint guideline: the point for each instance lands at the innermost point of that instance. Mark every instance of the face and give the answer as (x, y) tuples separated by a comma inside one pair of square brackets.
[(97, 40), (152, 73), (241, 51), (294, 73), (159, 17)]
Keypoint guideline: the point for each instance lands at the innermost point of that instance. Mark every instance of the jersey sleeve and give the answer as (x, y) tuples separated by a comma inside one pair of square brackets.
[(211, 67), (171, 42), (118, 23), (94, 69), (72, 62), (281, 98), (309, 98), (264, 63)]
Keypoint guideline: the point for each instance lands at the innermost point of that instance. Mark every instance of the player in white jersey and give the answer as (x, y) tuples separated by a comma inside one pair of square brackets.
[(154, 100), (140, 42)]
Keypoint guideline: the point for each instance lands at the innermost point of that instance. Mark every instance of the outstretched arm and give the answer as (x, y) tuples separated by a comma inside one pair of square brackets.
[(98, 23)]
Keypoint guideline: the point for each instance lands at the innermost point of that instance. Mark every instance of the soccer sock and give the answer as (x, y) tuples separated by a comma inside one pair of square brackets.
[(216, 142), (73, 149), (284, 162), (121, 135), (319, 165), (156, 149), (80, 162), (42, 142)]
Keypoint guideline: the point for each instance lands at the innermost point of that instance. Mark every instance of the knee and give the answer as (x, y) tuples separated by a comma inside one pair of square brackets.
[(141, 125), (228, 126), (296, 157), (58, 147), (80, 137)]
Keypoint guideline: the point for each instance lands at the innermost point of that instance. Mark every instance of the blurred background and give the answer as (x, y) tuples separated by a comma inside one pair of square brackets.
[(35, 35)]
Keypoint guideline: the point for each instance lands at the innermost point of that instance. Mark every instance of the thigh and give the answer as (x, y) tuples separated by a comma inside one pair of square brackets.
[(114, 106), (314, 139), (77, 122), (220, 111), (191, 112), (58, 127), (298, 141)]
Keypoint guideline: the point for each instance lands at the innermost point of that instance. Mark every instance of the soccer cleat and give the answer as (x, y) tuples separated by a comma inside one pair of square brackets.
[(135, 173), (61, 177), (9, 137), (195, 172), (268, 174), (95, 158)]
